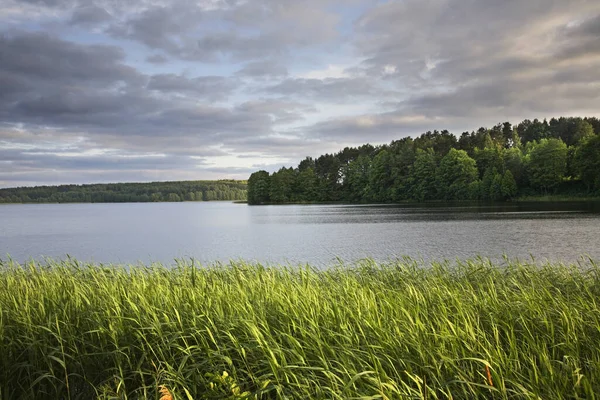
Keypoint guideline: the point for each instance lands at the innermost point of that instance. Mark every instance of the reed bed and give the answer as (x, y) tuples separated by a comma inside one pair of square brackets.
[(397, 330)]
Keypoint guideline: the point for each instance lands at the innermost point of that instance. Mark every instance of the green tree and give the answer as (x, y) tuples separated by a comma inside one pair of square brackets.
[(512, 160), (509, 185), (403, 157), (422, 176), (307, 184), (496, 187), (488, 158), (485, 186), (327, 169), (173, 197), (455, 174), (282, 185), (258, 187), (583, 130), (380, 177), (547, 164), (357, 179), (587, 162)]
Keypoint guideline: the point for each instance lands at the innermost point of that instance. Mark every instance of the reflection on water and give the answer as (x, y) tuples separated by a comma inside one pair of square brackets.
[(318, 234)]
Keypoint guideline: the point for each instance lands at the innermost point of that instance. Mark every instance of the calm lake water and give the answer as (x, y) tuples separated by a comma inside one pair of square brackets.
[(318, 234)]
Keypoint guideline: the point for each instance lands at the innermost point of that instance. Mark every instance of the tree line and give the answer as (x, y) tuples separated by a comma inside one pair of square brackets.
[(560, 156), (128, 192)]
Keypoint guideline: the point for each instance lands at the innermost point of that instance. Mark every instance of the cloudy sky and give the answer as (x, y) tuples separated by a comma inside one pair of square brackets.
[(112, 91)]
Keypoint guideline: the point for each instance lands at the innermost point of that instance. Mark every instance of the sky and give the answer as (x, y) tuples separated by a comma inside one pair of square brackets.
[(152, 90)]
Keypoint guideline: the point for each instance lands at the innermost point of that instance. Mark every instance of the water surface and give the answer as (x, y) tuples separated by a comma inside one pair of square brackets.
[(317, 234)]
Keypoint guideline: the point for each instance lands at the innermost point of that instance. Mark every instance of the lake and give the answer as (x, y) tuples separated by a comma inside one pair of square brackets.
[(317, 234)]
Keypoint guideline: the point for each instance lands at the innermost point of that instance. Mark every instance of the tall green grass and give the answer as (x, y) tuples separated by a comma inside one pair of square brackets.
[(399, 330)]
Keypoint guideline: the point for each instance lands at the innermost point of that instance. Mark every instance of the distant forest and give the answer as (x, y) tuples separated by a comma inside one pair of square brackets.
[(532, 158), (128, 192)]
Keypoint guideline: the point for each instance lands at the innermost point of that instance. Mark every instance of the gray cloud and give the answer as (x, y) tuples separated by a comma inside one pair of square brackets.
[(210, 87), (230, 30), (41, 59), (157, 59), (331, 89), (263, 68), (56, 83), (589, 27), (280, 110), (89, 14), (161, 27), (47, 3)]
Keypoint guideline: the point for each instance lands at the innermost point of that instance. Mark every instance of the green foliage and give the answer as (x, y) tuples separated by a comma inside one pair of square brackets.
[(259, 188), (496, 188), (488, 158), (307, 185), (486, 184), (128, 192), (509, 185), (587, 162), (455, 174), (532, 131), (380, 178), (423, 176), (328, 169), (570, 130), (512, 160), (475, 190), (403, 158), (470, 330), (547, 163), (282, 186), (357, 179)]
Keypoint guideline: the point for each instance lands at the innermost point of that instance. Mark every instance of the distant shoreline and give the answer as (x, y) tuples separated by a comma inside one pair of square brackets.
[(151, 192)]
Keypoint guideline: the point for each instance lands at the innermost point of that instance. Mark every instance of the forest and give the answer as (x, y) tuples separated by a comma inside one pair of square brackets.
[(128, 192), (532, 158)]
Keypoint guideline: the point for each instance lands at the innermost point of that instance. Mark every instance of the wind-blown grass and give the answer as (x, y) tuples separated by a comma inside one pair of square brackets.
[(393, 331)]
